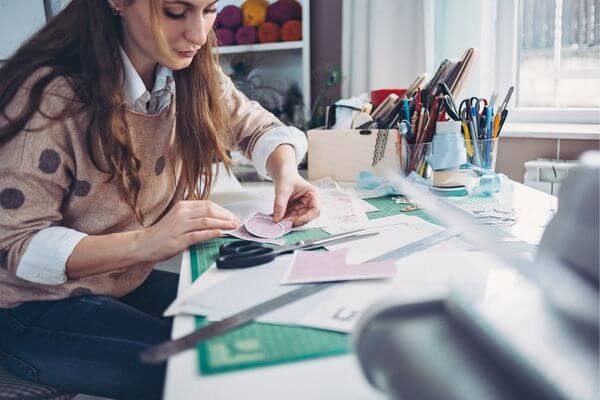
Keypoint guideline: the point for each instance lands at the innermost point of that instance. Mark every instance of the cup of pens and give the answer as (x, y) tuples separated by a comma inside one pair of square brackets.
[(482, 153), (414, 157)]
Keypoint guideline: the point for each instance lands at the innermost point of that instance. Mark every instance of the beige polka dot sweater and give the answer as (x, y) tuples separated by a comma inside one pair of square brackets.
[(48, 179)]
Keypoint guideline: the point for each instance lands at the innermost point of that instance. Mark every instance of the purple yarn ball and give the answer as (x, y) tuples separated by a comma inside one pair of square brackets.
[(225, 37), (246, 35), (231, 17), (283, 10)]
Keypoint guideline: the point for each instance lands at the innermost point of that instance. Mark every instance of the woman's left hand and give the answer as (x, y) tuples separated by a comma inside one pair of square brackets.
[(296, 200)]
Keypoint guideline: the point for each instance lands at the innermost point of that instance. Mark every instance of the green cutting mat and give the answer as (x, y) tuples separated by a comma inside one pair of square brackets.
[(259, 344)]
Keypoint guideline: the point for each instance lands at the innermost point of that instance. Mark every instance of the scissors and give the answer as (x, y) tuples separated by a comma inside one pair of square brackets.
[(245, 253), (479, 105)]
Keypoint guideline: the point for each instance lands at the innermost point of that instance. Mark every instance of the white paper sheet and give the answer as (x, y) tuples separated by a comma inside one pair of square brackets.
[(234, 291), (406, 230)]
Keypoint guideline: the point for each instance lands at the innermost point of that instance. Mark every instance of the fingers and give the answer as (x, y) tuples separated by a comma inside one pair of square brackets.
[(304, 210), (208, 223), (282, 196), (201, 236), (201, 209)]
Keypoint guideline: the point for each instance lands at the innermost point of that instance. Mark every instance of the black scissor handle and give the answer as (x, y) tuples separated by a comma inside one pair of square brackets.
[(237, 246), (249, 257)]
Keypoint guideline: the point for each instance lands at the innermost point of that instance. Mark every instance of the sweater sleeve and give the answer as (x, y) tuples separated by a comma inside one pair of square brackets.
[(249, 120), (36, 174)]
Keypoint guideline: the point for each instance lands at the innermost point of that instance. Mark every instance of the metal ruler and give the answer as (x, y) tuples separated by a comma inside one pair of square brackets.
[(419, 245), (167, 349)]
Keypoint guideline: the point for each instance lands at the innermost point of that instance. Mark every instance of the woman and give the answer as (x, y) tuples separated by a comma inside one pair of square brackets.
[(111, 114)]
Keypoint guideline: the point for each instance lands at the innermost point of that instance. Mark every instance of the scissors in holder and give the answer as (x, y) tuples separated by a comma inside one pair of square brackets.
[(244, 253), (472, 103)]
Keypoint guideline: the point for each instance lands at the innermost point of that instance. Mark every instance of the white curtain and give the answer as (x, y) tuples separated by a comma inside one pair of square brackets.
[(388, 43)]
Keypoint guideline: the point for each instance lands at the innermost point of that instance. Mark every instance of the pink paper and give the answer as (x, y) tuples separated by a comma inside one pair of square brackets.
[(329, 266)]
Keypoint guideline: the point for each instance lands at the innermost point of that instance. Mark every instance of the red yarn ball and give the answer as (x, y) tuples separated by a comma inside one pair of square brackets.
[(291, 31), (268, 32)]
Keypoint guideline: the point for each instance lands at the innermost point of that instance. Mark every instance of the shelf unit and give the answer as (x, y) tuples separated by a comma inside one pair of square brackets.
[(250, 48), (281, 62)]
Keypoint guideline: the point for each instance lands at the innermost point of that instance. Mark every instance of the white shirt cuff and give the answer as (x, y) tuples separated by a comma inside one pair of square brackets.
[(271, 139), (45, 259)]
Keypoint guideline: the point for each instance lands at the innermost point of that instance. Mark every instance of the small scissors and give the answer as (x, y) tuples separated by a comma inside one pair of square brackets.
[(472, 103), (244, 253)]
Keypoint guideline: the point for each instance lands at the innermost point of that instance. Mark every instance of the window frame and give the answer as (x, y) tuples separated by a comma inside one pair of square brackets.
[(507, 58)]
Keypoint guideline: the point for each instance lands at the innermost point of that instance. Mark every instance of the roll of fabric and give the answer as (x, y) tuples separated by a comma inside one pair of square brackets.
[(246, 35), (269, 32), (291, 31), (231, 17)]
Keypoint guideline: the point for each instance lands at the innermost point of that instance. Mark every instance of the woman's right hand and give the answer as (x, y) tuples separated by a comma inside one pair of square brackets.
[(187, 223)]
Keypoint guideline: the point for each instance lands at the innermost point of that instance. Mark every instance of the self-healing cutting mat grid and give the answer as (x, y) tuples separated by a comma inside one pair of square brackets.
[(260, 344)]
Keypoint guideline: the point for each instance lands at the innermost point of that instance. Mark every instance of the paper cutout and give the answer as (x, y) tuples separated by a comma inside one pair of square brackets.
[(262, 225), (262, 229), (330, 266)]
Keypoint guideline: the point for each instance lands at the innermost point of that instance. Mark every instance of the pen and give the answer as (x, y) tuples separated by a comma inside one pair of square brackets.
[(502, 119), (497, 118)]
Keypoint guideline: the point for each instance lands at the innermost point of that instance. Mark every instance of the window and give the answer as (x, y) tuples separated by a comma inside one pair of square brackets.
[(559, 54), (550, 50)]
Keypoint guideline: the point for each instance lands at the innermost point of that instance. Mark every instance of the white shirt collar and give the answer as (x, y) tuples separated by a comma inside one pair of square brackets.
[(133, 85)]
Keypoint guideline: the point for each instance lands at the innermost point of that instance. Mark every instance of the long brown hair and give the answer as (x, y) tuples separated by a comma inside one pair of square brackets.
[(82, 44)]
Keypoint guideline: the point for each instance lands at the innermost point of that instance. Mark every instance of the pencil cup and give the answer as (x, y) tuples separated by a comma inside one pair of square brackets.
[(482, 153), (413, 157)]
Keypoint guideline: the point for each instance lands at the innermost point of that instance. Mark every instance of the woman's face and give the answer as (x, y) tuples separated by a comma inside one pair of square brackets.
[(184, 23)]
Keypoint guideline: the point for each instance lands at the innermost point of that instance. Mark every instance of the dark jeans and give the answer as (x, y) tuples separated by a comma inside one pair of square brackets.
[(91, 344)]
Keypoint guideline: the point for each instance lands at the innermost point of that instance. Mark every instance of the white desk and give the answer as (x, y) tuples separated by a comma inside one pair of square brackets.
[(336, 377)]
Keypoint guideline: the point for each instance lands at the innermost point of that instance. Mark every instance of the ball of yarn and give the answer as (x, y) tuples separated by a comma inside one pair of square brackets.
[(225, 37), (291, 31), (284, 10), (296, 8), (218, 24), (231, 17), (254, 12), (268, 32), (246, 35)]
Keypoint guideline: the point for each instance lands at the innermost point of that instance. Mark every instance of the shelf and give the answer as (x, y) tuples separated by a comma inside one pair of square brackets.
[(250, 48)]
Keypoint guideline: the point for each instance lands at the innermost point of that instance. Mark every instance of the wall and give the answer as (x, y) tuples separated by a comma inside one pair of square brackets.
[(325, 44), (513, 152)]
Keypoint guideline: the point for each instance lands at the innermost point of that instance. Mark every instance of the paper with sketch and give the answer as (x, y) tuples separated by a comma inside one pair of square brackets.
[(331, 266), (394, 232), (341, 210), (368, 207)]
